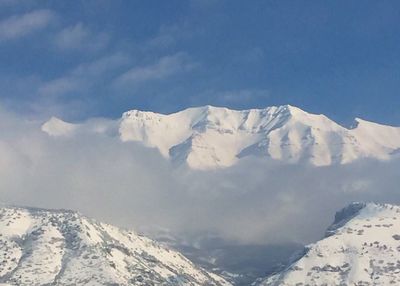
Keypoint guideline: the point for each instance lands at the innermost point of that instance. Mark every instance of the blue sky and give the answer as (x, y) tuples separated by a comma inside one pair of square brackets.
[(78, 59)]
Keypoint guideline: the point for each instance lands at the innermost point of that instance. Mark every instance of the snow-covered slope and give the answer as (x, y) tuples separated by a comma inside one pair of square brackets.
[(210, 137), (56, 127), (362, 247), (42, 247)]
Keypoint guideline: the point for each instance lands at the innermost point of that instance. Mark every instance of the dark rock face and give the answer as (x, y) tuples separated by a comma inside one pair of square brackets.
[(345, 215)]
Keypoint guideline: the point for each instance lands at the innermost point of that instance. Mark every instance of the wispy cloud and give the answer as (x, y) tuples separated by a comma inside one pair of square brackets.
[(21, 25), (102, 65), (238, 97), (60, 86), (242, 95), (83, 76), (80, 37), (163, 68), (166, 37)]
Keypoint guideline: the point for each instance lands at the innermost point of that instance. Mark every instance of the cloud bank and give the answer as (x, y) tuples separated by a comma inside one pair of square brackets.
[(257, 201)]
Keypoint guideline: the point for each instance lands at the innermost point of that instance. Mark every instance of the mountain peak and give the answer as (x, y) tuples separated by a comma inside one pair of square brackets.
[(210, 137), (363, 250), (344, 215), (57, 127), (292, 109), (43, 247)]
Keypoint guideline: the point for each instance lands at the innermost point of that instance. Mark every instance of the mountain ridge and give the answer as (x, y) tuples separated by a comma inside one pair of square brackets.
[(210, 137), (63, 247)]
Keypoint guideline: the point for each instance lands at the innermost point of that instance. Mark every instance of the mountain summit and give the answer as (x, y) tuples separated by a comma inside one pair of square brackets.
[(43, 247), (212, 137), (361, 248)]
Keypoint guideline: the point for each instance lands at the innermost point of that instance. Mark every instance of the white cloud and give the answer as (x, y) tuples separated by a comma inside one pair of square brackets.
[(21, 25), (83, 76), (80, 37), (60, 86), (242, 95), (163, 68), (237, 97), (102, 65), (257, 201), (166, 37)]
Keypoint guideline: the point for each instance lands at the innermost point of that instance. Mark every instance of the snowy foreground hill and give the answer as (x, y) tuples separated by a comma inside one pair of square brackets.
[(212, 137), (361, 248), (42, 247)]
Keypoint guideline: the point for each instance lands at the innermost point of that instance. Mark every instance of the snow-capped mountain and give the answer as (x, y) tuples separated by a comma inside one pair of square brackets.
[(361, 248), (211, 137), (43, 247)]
